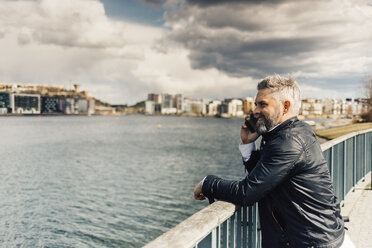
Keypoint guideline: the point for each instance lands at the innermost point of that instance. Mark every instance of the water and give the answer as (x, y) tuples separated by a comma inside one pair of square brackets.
[(106, 181)]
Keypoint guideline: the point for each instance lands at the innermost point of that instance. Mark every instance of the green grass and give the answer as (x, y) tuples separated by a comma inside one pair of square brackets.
[(335, 132)]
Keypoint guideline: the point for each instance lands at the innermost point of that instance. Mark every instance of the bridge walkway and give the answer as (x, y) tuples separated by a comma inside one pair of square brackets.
[(358, 206)]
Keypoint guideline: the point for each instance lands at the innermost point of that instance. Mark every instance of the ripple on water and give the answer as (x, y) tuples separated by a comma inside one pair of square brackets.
[(106, 182)]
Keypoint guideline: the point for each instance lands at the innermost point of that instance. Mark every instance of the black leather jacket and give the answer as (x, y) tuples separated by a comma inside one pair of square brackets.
[(289, 179)]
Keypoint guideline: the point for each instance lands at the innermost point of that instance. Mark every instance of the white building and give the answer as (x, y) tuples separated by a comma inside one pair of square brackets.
[(311, 107), (332, 106), (149, 107), (235, 107), (212, 107)]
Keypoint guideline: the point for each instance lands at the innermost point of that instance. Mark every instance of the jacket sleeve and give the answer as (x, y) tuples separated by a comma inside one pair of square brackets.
[(275, 164), (251, 163)]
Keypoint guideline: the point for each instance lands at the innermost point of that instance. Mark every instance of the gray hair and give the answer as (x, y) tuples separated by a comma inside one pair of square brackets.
[(283, 89)]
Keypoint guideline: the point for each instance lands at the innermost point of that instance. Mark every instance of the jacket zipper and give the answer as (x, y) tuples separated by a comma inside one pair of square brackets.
[(277, 222)]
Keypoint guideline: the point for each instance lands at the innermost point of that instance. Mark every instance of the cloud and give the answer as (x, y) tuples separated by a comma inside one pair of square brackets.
[(46, 43), (57, 42), (256, 38), (66, 23), (215, 50)]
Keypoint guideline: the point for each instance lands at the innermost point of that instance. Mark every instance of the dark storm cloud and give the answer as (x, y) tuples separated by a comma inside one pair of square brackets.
[(256, 38), (255, 57)]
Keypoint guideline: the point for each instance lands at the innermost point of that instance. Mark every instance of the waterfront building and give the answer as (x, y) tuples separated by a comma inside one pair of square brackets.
[(169, 104), (248, 105), (231, 108), (25, 103), (167, 101), (83, 106), (67, 106), (192, 106), (204, 103), (4, 103), (178, 102), (235, 107), (223, 110), (212, 107), (149, 107), (36, 99), (71, 106), (156, 98), (91, 106), (50, 105)]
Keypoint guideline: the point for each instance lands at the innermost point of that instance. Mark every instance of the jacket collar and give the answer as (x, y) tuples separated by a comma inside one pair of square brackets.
[(281, 126)]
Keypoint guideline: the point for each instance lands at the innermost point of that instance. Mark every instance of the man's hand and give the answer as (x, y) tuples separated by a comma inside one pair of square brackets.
[(198, 194), (246, 136)]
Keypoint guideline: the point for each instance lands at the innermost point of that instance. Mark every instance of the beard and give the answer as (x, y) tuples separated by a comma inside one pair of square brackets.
[(268, 123)]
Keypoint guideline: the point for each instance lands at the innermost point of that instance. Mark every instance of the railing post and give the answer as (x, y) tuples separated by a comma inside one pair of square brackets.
[(245, 233), (216, 237), (250, 227), (225, 235), (365, 155), (354, 162), (232, 231), (345, 172), (239, 228), (332, 161), (254, 240)]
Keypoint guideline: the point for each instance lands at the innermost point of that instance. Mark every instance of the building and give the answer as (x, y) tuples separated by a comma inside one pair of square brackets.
[(50, 105), (248, 105), (25, 103), (91, 106), (70, 106), (83, 106), (212, 107), (231, 108), (311, 107), (4, 103), (223, 109), (192, 106), (235, 107), (178, 103), (156, 98), (164, 103), (332, 107), (149, 107)]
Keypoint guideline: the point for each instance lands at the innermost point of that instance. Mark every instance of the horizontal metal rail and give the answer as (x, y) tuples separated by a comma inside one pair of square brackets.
[(223, 224)]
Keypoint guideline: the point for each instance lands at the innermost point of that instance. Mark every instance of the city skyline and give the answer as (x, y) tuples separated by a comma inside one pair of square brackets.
[(121, 50)]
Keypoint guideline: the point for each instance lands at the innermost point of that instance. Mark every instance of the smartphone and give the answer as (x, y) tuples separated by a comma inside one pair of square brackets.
[(251, 123)]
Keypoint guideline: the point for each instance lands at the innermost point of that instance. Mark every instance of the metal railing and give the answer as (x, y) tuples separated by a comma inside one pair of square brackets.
[(223, 224)]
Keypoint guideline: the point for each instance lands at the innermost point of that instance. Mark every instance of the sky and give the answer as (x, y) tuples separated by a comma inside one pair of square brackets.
[(121, 50)]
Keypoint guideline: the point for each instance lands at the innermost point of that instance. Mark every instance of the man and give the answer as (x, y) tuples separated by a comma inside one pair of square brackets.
[(288, 176)]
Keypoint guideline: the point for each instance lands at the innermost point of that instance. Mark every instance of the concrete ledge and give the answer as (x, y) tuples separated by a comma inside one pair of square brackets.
[(196, 227), (352, 198), (358, 208), (333, 142)]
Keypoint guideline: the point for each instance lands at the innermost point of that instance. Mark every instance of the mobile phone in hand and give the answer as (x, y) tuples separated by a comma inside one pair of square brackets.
[(251, 123)]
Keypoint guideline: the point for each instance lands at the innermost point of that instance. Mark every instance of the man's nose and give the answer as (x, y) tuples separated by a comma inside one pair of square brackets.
[(256, 111)]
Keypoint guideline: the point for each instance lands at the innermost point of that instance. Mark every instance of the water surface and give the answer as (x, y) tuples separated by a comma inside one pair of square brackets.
[(71, 181)]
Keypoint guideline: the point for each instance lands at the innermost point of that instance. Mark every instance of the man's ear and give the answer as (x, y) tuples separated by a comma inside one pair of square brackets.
[(287, 106)]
